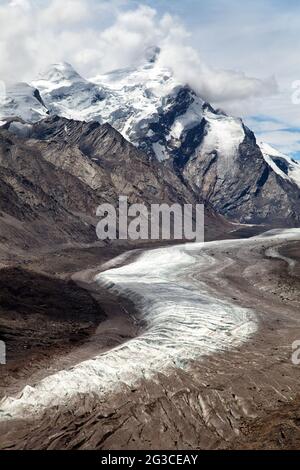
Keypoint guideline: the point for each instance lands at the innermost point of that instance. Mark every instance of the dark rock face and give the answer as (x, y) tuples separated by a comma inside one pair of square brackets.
[(145, 134)]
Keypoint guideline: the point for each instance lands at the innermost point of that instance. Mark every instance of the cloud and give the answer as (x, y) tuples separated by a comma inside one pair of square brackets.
[(23, 4), (72, 12), (275, 120), (285, 141), (124, 43), (97, 36), (216, 86), (280, 134)]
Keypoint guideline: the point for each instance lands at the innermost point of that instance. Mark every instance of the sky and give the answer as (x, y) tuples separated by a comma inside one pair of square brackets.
[(241, 56)]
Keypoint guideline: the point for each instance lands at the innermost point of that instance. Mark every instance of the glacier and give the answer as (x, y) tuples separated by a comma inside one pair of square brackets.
[(181, 319)]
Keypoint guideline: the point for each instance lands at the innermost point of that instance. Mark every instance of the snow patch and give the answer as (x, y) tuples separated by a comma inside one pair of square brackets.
[(189, 119), (224, 136), (160, 152)]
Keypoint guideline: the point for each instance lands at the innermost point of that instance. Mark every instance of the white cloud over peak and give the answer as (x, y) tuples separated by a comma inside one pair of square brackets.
[(24, 4), (98, 36), (215, 85)]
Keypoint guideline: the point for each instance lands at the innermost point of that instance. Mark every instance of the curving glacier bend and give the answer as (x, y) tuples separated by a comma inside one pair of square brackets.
[(181, 320)]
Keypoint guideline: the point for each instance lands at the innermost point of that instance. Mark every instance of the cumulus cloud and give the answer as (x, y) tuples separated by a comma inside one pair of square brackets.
[(125, 41), (97, 36), (24, 4), (275, 120)]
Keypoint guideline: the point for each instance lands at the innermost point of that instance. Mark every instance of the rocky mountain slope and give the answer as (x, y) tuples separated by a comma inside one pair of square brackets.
[(54, 174), (243, 184), (215, 155)]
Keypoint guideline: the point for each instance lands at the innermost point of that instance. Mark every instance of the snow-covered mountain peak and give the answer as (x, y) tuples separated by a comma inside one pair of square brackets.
[(215, 154), (283, 165), (148, 79), (149, 106), (57, 76), (23, 101), (68, 94), (269, 150)]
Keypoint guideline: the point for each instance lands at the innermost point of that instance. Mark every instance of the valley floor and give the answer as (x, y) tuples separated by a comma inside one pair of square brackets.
[(190, 349)]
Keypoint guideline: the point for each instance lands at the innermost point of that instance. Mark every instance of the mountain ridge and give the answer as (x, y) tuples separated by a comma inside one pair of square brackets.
[(214, 154), (55, 175)]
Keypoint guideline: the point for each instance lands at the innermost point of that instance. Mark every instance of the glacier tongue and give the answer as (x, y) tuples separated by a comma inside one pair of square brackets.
[(182, 321)]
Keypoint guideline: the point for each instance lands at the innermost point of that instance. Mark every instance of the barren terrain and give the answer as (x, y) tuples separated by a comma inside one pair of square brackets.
[(243, 393)]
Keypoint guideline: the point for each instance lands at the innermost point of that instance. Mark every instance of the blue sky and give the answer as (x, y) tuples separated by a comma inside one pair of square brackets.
[(243, 56)]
